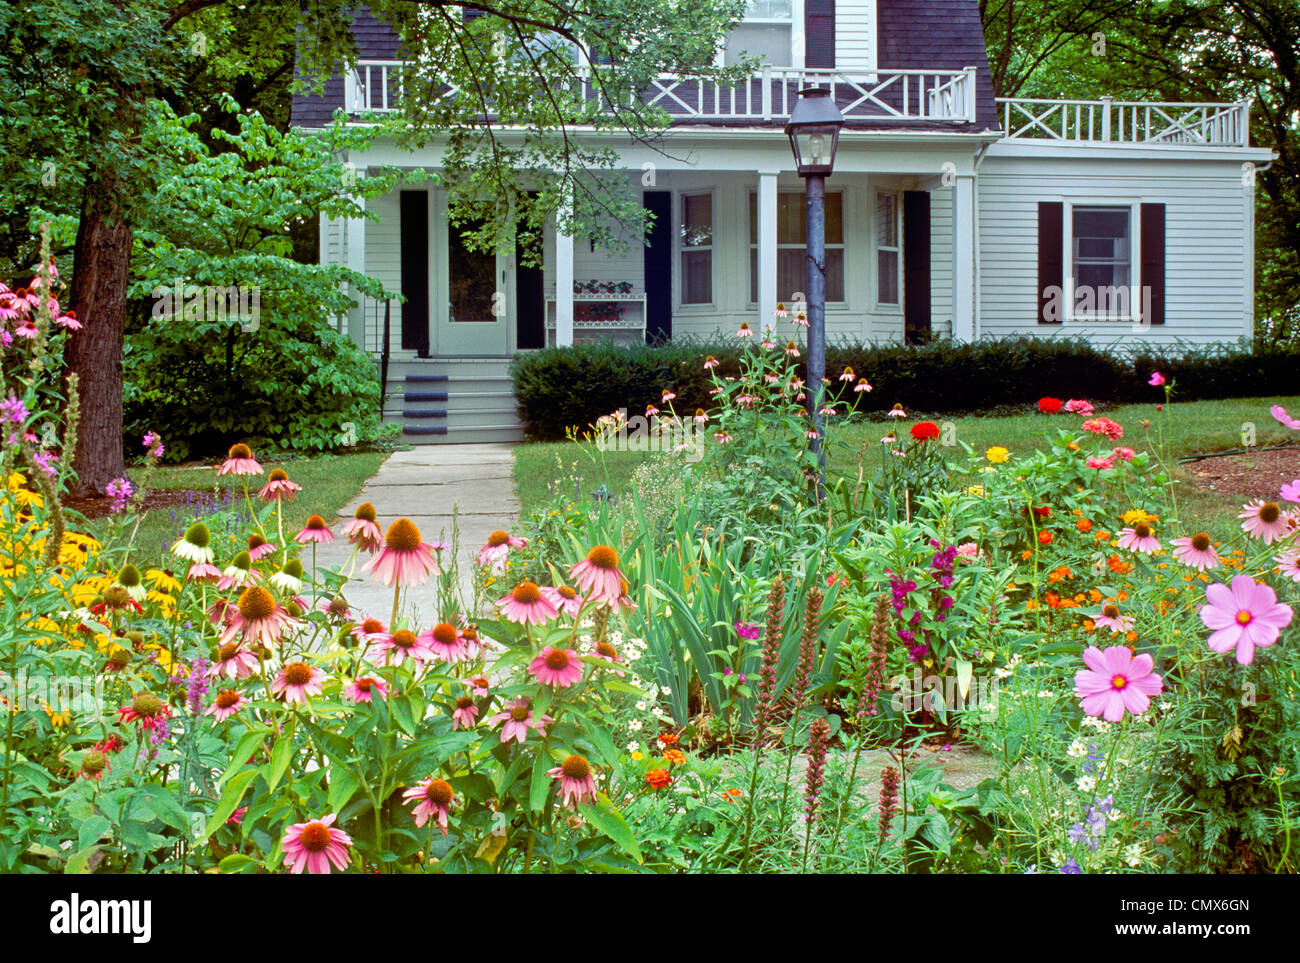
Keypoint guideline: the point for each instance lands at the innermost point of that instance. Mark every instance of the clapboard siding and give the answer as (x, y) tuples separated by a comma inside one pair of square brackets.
[(1206, 243), (384, 257), (941, 261), (855, 35)]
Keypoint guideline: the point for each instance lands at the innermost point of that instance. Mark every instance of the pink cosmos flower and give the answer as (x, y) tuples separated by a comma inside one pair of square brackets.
[(517, 719), (1110, 618), (1278, 412), (1196, 551), (1243, 617), (1104, 426), (556, 667), (1101, 464), (598, 575), (1289, 562), (435, 798), (564, 598), (1290, 492), (1116, 681), (402, 645), (298, 680), (497, 548), (1264, 520), (233, 662), (1125, 453), (315, 531), (577, 784), (466, 711), (1156, 380), (258, 617), (240, 461), (406, 559), (445, 642), (1077, 406), (363, 688), (226, 704), (1139, 538), (526, 605), (363, 530), (315, 845)]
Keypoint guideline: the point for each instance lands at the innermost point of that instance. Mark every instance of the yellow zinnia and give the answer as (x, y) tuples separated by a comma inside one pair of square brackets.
[(997, 455)]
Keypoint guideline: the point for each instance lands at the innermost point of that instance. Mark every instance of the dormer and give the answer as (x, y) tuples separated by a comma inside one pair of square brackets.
[(814, 34)]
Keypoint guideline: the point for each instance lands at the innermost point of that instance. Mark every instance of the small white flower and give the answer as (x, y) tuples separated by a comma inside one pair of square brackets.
[(1077, 749), (1086, 783), (1133, 854), (634, 725), (642, 706), (633, 746), (665, 691)]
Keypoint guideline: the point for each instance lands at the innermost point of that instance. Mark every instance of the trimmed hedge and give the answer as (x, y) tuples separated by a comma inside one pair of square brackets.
[(561, 388)]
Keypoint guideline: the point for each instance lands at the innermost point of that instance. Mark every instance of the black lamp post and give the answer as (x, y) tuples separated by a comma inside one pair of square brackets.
[(814, 132)]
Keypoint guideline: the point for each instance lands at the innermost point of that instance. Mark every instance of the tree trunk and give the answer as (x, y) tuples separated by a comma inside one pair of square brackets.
[(101, 272)]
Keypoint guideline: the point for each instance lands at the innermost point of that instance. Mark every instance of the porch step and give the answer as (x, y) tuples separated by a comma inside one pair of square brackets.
[(452, 400)]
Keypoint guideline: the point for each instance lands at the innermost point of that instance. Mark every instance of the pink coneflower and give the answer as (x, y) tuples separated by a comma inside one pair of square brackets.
[(314, 846), (233, 662), (896, 412), (363, 688), (710, 363), (1111, 619), (405, 558), (1139, 538), (800, 318), (651, 411), (239, 573), (745, 330), (259, 547), (556, 667), (435, 797), (474, 644), (497, 548), (466, 711), (604, 652), (1264, 520), (1290, 492), (445, 642), (598, 576), (368, 630), (577, 783), (298, 680), (518, 719), (667, 397), (1116, 681), (226, 704), (27, 328), (1077, 406), (526, 605), (862, 385), (478, 686), (402, 645), (1243, 617), (258, 617), (722, 438), (147, 709), (701, 416), (780, 310), (1101, 464), (1196, 551), (68, 320), (564, 598), (1125, 453), (363, 530), (1278, 412), (240, 461), (203, 572), (746, 401), (278, 487), (335, 608), (1289, 562), (1104, 426), (315, 531)]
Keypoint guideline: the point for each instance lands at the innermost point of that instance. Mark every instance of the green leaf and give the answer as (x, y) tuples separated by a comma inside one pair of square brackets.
[(165, 807), (280, 757), (90, 830), (79, 863), (610, 821), (541, 783), (238, 863), (401, 709), (229, 802), (342, 785)]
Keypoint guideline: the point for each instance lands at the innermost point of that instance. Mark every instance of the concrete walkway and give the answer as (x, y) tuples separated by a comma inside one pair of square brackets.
[(436, 486)]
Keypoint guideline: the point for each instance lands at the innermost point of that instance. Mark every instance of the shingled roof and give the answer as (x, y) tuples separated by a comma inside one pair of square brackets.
[(912, 35)]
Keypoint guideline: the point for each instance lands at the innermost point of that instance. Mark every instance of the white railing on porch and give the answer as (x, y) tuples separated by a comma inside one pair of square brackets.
[(1126, 122), (766, 95)]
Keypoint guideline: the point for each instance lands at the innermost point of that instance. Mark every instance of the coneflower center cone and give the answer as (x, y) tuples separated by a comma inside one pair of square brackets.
[(278, 474), (439, 793), (315, 837), (146, 704), (576, 767), (315, 522), (297, 673), (498, 538), (403, 536), (602, 556), (256, 603), (1110, 612), (228, 652), (227, 698), (367, 511), (241, 451), (1142, 530), (445, 633), (519, 713), (403, 638), (607, 650), (1268, 512), (526, 592), (1201, 542), (557, 659)]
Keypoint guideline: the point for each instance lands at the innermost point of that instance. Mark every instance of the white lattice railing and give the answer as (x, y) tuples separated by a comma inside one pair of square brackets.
[(766, 95), (1127, 122)]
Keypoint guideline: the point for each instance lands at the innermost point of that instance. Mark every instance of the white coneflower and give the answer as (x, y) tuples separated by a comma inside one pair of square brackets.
[(289, 578), (129, 579), (194, 545)]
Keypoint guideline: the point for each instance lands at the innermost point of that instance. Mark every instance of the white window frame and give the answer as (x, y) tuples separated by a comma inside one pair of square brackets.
[(796, 42), (752, 246), (887, 307), (679, 246), (1135, 259)]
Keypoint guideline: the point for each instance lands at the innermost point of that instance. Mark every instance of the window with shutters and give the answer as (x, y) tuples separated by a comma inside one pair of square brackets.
[(791, 252), (1100, 257), (697, 248), (764, 33)]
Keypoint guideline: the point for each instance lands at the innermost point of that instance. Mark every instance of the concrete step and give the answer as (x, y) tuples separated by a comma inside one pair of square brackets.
[(452, 400)]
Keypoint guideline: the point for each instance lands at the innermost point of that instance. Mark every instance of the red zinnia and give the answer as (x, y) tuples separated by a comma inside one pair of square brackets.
[(925, 431), (1049, 406)]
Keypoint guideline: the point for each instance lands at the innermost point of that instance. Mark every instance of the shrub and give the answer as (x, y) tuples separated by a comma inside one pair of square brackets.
[(562, 388)]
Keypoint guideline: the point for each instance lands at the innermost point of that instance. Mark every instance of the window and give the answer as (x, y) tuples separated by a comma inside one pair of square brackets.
[(1102, 256), (764, 33), (791, 270), (887, 248), (697, 248)]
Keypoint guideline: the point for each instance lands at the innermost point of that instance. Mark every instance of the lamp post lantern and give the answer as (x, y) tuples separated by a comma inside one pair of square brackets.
[(814, 132)]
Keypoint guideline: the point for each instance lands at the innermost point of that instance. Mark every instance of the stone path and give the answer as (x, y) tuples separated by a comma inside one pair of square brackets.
[(437, 487)]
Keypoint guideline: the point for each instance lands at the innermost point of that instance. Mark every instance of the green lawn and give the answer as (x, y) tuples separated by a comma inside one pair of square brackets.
[(1187, 428), (328, 482)]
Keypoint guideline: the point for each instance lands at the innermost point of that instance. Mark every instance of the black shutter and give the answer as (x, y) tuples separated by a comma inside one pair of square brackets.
[(819, 33), (916, 266), (1051, 274), (530, 291), (659, 266), (1152, 277), (414, 219)]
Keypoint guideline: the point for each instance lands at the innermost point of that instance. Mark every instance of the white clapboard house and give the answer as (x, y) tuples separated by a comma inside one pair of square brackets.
[(949, 214)]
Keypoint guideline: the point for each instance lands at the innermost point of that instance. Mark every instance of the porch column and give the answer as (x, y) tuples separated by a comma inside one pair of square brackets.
[(563, 284), (355, 242), (766, 247), (963, 258)]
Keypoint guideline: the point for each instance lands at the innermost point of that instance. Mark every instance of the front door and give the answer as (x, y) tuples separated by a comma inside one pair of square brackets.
[(478, 311)]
